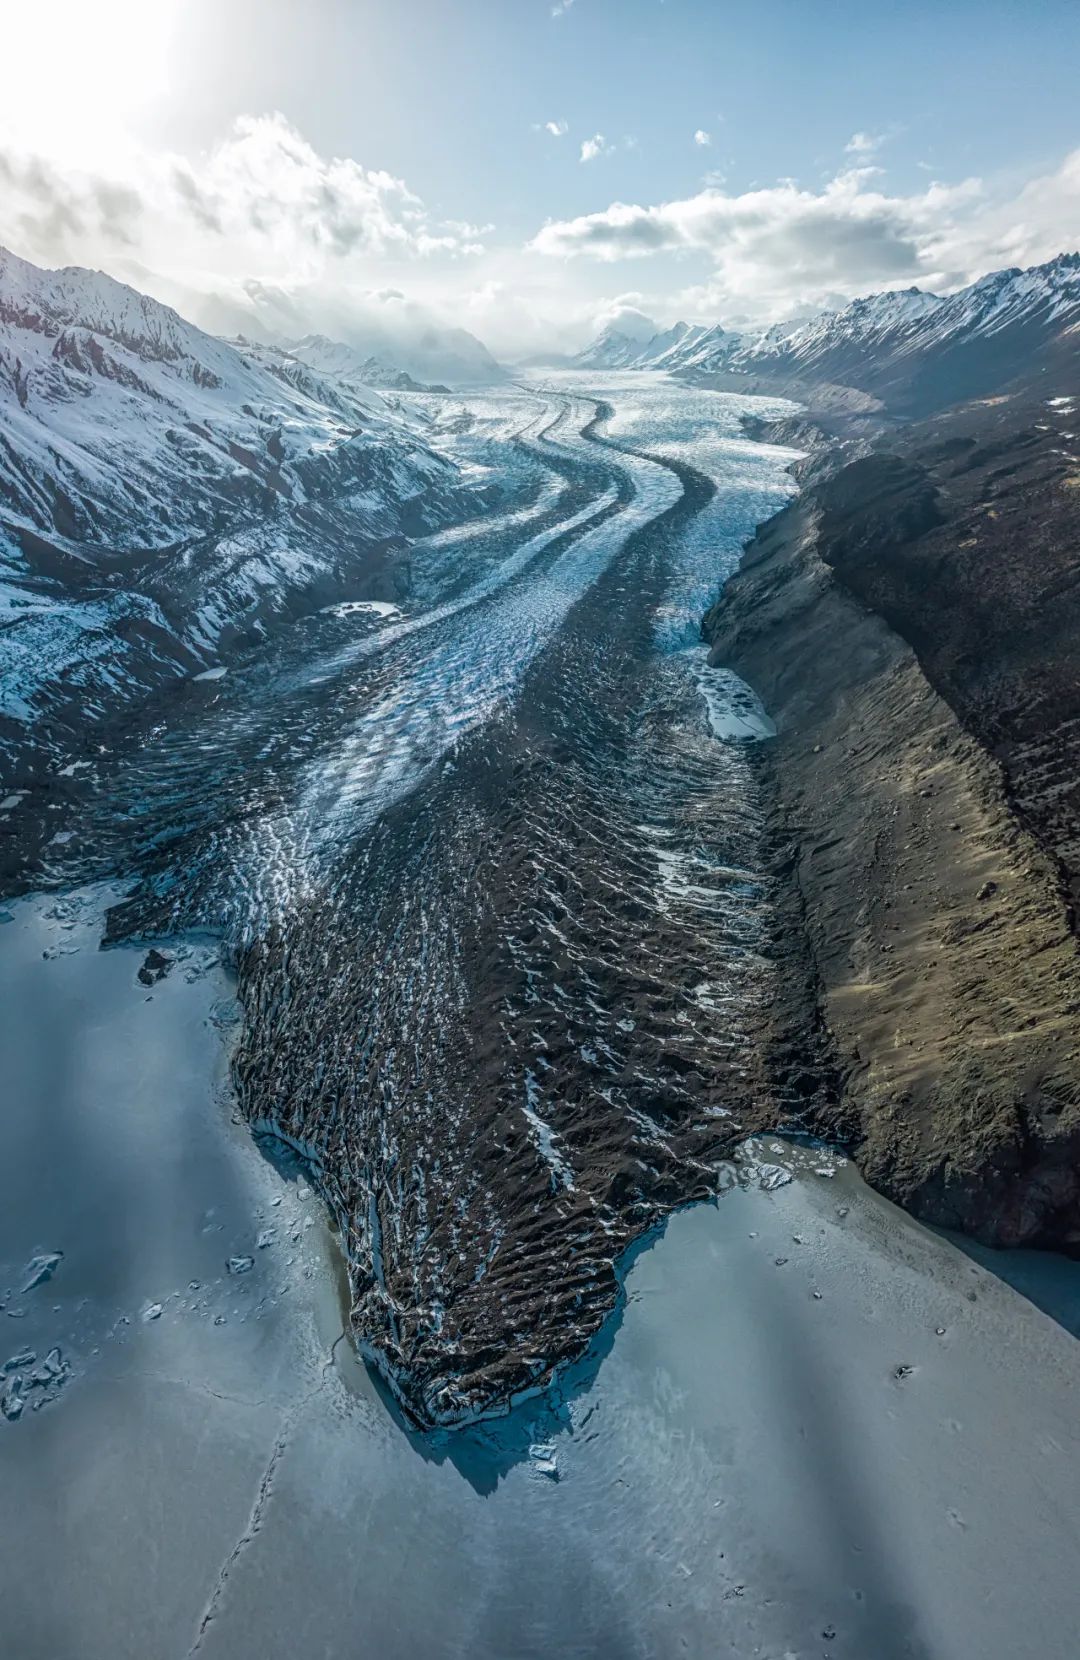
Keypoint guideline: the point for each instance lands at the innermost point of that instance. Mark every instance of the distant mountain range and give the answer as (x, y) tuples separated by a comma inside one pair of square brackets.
[(166, 494), (383, 357), (913, 351), (612, 349), (346, 363), (396, 334)]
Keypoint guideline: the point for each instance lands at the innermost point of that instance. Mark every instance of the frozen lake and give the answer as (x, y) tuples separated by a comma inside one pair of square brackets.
[(815, 1429)]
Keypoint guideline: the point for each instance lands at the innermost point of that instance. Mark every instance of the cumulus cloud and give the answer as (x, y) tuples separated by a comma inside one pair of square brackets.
[(262, 197), (267, 176), (702, 138), (863, 144), (561, 7), (265, 234), (49, 211), (777, 249), (624, 314), (595, 146)]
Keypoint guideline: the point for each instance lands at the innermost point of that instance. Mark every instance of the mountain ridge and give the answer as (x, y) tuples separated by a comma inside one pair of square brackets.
[(436, 354), (909, 349), (165, 494)]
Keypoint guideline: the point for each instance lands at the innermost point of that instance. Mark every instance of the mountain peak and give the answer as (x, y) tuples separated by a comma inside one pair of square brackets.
[(917, 345)]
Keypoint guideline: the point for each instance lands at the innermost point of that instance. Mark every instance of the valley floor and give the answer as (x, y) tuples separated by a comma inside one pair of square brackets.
[(474, 914)]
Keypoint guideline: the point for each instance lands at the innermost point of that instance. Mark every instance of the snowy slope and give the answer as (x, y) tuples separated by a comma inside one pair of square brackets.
[(874, 323), (920, 351), (164, 492), (675, 344), (914, 350), (123, 425), (612, 349), (701, 348)]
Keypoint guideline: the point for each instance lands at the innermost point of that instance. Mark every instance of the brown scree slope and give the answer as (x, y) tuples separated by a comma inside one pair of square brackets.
[(913, 625)]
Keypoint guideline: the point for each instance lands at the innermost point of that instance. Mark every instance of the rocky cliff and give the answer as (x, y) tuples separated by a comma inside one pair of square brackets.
[(911, 623)]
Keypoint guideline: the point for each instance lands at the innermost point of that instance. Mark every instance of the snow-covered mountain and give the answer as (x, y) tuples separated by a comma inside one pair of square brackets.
[(876, 322), (612, 349), (422, 354), (917, 351), (615, 349), (676, 343), (699, 347), (913, 350), (345, 363), (165, 494)]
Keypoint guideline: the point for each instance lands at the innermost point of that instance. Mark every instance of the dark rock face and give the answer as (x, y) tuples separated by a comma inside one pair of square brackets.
[(156, 964), (979, 570), (911, 623)]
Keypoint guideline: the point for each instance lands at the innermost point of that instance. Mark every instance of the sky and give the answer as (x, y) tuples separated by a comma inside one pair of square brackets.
[(536, 169)]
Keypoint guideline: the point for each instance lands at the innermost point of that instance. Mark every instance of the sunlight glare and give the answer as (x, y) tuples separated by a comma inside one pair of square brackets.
[(78, 81)]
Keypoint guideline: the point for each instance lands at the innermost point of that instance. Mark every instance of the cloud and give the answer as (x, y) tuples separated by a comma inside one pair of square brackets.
[(263, 199), (625, 315), (702, 138), (595, 146), (557, 129), (561, 7), (51, 211), (782, 248), (1025, 228), (263, 232), (268, 175), (864, 144)]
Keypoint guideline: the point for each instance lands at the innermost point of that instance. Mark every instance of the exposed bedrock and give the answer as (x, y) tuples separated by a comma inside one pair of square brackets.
[(911, 626)]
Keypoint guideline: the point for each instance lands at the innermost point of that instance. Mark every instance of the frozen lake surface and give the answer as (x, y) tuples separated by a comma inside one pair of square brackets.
[(815, 1429)]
